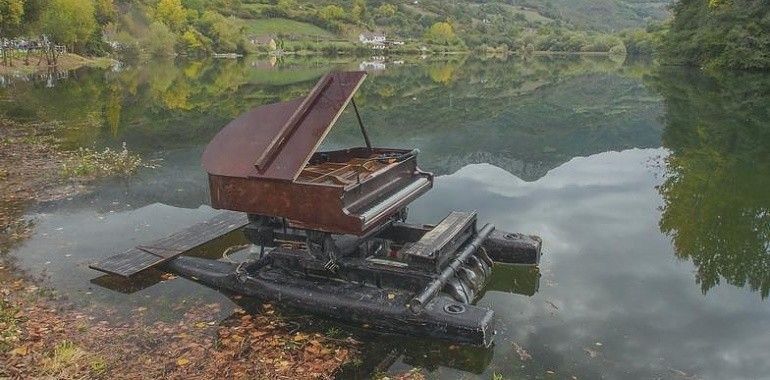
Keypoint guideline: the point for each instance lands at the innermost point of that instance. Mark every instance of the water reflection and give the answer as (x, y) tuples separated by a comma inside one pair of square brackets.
[(716, 200), (565, 148)]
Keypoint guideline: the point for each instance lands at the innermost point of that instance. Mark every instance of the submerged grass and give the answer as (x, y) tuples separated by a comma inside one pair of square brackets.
[(92, 164)]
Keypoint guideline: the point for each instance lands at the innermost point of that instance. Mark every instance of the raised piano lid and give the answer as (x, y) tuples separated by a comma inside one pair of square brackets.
[(275, 141)]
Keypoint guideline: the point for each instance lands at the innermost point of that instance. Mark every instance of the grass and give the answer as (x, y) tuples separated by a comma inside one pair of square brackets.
[(87, 163), (98, 366), (65, 360), (274, 26)]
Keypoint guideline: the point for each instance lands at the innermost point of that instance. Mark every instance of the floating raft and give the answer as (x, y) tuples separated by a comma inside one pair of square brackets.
[(146, 256)]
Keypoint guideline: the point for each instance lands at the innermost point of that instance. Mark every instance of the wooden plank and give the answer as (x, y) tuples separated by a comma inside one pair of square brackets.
[(431, 250), (146, 256)]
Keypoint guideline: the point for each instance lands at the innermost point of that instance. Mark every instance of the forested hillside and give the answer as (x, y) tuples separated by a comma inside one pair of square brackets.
[(604, 15), (720, 34), (167, 27)]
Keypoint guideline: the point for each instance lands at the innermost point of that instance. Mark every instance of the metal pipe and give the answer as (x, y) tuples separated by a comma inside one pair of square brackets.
[(361, 124), (435, 286)]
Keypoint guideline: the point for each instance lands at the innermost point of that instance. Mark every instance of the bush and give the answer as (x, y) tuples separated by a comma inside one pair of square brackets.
[(160, 40), (90, 164)]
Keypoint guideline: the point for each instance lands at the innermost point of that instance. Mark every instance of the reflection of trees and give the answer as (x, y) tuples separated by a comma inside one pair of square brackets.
[(717, 191), (442, 72), (526, 117), (164, 103)]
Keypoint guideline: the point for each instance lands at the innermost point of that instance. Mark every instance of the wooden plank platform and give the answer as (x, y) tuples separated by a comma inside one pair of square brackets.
[(433, 248), (146, 256)]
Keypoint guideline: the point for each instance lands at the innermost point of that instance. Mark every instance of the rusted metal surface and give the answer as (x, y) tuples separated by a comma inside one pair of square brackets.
[(275, 141), (326, 207), (264, 162)]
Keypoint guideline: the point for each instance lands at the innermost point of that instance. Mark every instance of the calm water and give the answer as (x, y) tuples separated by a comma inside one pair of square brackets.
[(648, 185)]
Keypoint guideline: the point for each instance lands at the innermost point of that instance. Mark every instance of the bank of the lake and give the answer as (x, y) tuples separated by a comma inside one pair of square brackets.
[(21, 65)]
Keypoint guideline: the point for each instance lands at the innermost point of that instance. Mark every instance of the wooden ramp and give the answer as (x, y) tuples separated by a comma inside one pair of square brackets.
[(159, 251)]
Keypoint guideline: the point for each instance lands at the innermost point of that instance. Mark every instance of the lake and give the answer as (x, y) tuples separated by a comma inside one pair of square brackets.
[(649, 186)]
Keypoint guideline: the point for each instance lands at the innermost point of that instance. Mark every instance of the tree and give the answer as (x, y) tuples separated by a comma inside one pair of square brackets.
[(161, 40), (731, 34), (68, 22), (220, 29), (171, 13), (358, 11), (331, 13), (441, 33), (11, 12), (105, 11), (192, 41), (386, 10)]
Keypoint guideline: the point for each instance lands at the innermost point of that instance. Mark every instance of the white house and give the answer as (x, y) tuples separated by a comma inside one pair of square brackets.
[(372, 38)]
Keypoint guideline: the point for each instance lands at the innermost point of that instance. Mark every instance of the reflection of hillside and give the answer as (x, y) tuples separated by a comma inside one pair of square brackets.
[(524, 116), (530, 118), (716, 199), (528, 171), (533, 117)]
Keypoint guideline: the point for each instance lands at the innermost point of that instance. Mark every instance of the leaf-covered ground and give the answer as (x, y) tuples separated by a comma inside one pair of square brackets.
[(44, 337)]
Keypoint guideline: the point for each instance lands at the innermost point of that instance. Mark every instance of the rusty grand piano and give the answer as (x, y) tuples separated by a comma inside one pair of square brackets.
[(334, 227)]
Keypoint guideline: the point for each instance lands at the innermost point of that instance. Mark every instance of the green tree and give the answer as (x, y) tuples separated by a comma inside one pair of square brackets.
[(225, 35), (386, 10), (719, 34), (171, 13), (192, 41), (68, 22), (161, 40), (441, 33), (11, 12), (358, 11), (105, 11), (331, 13)]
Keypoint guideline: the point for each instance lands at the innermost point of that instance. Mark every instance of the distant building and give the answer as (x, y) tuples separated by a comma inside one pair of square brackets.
[(266, 41), (377, 40), (370, 38)]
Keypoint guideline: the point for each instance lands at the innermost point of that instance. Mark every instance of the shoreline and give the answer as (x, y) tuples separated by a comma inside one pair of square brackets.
[(67, 61)]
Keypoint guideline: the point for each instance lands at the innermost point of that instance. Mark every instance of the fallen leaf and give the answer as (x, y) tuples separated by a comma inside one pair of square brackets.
[(182, 362), (523, 354), (20, 351)]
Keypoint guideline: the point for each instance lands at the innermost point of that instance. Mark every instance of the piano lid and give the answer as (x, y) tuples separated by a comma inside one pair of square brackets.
[(275, 141)]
